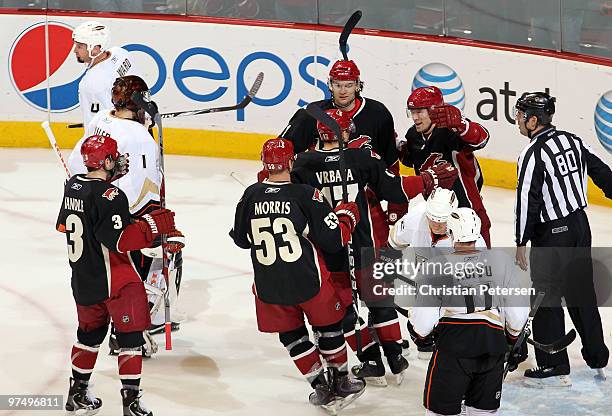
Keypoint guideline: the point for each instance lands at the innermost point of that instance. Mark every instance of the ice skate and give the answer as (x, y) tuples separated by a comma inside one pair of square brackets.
[(549, 376), (425, 352), (323, 396), (132, 404), (405, 348), (345, 388), (373, 372), (80, 400), (600, 374), (398, 366)]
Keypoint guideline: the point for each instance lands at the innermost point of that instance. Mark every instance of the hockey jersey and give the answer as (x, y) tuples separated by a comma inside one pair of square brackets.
[(371, 119), (143, 181), (286, 226), (96, 84), (93, 215)]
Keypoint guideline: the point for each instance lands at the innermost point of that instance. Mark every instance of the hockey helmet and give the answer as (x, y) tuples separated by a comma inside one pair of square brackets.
[(124, 87), (440, 204), (92, 34), (463, 225), (539, 104), (276, 154), (95, 149), (344, 71), (425, 97), (344, 121)]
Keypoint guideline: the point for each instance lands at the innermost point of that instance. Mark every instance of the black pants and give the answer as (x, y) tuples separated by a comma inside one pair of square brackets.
[(561, 265)]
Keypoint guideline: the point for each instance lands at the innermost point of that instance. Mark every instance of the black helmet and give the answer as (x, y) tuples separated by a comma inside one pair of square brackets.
[(539, 104)]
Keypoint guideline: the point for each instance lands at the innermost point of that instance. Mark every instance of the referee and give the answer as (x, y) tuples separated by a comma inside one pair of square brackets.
[(550, 202)]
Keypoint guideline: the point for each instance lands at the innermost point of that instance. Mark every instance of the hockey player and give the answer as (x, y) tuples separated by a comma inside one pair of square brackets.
[(372, 120), (286, 226), (104, 65), (440, 132), (365, 170), (472, 330), (100, 234), (128, 125)]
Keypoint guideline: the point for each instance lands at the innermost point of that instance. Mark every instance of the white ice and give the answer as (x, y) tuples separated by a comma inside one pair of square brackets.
[(220, 363)]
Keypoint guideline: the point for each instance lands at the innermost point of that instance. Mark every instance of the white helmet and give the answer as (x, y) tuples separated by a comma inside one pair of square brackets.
[(463, 225), (92, 33), (440, 204)]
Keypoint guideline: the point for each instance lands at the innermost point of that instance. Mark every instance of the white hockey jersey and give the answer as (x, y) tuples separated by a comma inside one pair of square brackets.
[(143, 181), (96, 85)]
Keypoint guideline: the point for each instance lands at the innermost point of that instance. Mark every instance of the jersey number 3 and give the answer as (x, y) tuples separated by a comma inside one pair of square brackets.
[(74, 230), (263, 237)]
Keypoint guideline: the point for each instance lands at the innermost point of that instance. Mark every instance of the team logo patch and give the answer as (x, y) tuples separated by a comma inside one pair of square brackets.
[(28, 72), (76, 186), (125, 319), (110, 193), (317, 196), (560, 229), (374, 154), (332, 158), (272, 190)]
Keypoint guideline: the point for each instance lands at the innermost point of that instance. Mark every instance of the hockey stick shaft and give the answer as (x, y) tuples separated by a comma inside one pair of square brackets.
[(75, 126), (346, 31), (242, 104), (151, 109), (316, 112), (47, 128)]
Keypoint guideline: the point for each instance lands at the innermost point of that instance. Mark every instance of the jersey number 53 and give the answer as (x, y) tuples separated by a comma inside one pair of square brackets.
[(264, 230)]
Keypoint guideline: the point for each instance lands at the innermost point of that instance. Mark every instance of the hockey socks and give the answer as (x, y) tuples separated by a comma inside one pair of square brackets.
[(83, 359), (130, 367)]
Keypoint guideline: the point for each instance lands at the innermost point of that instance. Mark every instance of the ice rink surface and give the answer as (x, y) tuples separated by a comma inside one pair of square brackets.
[(220, 363)]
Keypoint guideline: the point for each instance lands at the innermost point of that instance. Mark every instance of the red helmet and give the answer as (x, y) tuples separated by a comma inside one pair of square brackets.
[(124, 87), (276, 154), (95, 149), (425, 97), (344, 121), (344, 71)]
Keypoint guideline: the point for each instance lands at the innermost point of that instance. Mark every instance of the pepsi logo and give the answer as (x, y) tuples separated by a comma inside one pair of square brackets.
[(28, 68), (445, 78), (603, 120)]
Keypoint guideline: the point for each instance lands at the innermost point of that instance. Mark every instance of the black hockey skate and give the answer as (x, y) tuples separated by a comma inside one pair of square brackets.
[(398, 366), (81, 400), (373, 372), (345, 389), (132, 405), (322, 394), (549, 376)]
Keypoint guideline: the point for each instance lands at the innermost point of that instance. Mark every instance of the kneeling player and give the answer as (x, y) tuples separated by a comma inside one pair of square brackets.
[(286, 226), (95, 216), (473, 331)]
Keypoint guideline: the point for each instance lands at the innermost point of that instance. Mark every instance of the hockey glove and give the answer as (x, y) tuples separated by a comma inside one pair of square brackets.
[(516, 355), (160, 221), (122, 167), (348, 215), (395, 212), (448, 116), (175, 241), (441, 175), (263, 175), (419, 341)]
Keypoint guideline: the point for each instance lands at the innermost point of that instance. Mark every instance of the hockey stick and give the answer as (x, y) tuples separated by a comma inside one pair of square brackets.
[(151, 109), (317, 113), (526, 328), (75, 126), (237, 179), (47, 128), (239, 106), (346, 31), (559, 345)]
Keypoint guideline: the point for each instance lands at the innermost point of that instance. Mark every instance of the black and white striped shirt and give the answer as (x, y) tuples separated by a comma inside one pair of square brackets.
[(552, 179)]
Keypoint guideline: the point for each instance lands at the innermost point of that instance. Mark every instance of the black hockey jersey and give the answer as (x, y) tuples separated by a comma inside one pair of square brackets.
[(371, 119), (285, 225), (93, 215), (444, 144), (365, 170)]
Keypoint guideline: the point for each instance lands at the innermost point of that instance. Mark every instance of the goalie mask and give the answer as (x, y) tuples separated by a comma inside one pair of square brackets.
[(92, 34), (276, 154), (344, 121), (463, 225), (440, 204), (124, 88)]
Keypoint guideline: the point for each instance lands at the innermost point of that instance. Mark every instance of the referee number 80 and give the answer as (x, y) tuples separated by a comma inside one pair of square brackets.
[(566, 162)]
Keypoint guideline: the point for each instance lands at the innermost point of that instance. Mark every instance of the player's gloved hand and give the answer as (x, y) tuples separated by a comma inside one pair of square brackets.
[(122, 167), (516, 355), (263, 174), (395, 212), (419, 341), (448, 116), (160, 221), (175, 241), (441, 175), (348, 213)]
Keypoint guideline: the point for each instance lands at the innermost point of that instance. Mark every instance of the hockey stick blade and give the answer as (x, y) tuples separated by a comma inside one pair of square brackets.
[(242, 104), (348, 28), (559, 345)]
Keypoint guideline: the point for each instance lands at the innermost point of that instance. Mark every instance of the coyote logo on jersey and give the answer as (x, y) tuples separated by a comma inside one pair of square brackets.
[(110, 193), (317, 196)]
